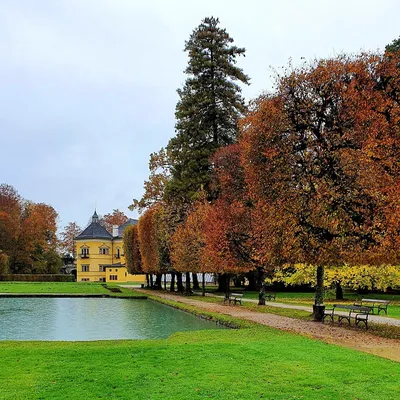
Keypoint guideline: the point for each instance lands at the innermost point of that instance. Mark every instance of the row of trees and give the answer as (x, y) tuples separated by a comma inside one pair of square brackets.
[(28, 242), (312, 178)]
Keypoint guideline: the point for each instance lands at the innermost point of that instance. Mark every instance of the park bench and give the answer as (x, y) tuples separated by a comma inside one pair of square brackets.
[(374, 304), (233, 297), (348, 313), (270, 296)]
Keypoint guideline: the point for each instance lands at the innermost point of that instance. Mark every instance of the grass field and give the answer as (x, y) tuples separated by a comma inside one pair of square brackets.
[(250, 363), (232, 364), (62, 288)]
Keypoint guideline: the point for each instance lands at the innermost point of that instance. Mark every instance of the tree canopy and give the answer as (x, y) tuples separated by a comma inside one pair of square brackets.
[(208, 110)]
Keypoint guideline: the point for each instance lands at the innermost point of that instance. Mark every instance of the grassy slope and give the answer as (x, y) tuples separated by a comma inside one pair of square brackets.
[(233, 364)]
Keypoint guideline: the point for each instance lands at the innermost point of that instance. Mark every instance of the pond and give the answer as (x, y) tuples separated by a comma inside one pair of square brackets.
[(92, 319)]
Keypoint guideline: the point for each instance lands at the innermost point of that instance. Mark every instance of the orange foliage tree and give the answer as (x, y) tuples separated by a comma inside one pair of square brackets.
[(117, 217), (316, 163), (27, 233), (67, 243), (188, 242), (151, 232), (132, 249)]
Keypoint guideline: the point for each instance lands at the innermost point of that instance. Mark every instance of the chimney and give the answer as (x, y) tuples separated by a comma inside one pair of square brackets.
[(115, 231)]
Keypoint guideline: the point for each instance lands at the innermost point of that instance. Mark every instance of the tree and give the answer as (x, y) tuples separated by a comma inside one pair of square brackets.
[(148, 242), (312, 161), (27, 233), (117, 217), (208, 110), (356, 277), (393, 47), (228, 231), (4, 268), (132, 249), (37, 243), (154, 187), (11, 206), (67, 243), (188, 242)]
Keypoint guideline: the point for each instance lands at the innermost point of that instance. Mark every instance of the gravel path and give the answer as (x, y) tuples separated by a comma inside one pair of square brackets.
[(373, 318), (356, 339)]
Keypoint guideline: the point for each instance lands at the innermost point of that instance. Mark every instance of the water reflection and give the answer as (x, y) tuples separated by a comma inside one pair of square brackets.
[(92, 319)]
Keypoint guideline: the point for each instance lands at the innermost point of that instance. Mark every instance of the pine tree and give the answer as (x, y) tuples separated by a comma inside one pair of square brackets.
[(394, 46), (208, 110)]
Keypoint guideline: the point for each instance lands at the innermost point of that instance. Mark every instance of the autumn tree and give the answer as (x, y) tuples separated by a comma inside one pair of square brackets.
[(117, 217), (11, 206), (356, 277), (132, 249), (4, 266), (38, 241), (188, 242), (311, 156), (152, 244), (67, 242), (154, 187), (229, 235), (208, 110)]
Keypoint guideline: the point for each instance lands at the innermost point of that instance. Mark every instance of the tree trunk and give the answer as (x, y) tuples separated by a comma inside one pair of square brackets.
[(222, 283), (339, 291), (203, 284), (318, 307), (196, 285), (151, 281), (165, 281), (172, 285), (261, 294), (188, 290), (157, 284), (179, 283), (147, 281), (319, 288)]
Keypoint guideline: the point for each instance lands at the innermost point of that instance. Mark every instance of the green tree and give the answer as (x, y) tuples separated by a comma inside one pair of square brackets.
[(208, 110), (394, 46)]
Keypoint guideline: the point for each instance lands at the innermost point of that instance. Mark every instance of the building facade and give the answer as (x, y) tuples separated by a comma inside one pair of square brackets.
[(100, 255)]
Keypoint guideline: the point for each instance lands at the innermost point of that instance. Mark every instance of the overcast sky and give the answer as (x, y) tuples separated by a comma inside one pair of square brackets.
[(88, 87)]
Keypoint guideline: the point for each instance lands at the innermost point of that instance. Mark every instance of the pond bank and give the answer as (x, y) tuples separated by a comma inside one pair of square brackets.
[(355, 339)]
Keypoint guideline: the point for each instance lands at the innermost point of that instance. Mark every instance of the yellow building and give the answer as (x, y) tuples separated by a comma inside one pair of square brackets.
[(100, 255)]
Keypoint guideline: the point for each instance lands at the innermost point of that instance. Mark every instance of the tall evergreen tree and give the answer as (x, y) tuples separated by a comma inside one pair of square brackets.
[(208, 110), (394, 46)]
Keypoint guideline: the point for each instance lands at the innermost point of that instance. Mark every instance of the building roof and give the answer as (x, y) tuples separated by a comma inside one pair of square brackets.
[(122, 227), (94, 230)]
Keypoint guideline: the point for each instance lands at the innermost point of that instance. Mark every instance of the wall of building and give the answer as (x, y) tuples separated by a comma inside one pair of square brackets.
[(94, 259)]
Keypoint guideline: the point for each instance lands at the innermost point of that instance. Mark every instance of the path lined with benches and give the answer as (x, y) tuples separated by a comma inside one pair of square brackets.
[(360, 339), (371, 318)]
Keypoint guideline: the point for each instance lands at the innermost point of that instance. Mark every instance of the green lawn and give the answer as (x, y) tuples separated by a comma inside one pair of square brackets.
[(62, 288), (233, 364), (252, 363)]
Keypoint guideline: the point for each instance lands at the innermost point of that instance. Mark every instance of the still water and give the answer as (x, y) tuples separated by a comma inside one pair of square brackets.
[(92, 319)]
